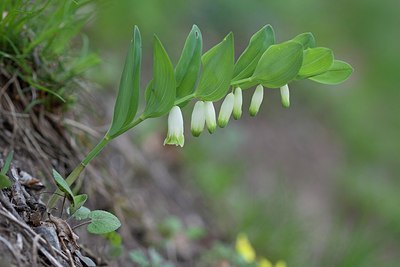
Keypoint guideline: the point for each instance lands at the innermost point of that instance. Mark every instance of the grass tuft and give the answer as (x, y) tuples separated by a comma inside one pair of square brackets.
[(39, 43)]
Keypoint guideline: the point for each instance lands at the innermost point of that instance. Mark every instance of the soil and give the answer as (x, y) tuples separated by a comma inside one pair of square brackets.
[(42, 139)]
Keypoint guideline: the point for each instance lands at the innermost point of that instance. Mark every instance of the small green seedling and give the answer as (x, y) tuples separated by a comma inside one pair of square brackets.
[(100, 221), (5, 181)]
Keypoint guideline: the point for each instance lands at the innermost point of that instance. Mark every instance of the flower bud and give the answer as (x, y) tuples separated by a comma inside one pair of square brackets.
[(198, 118), (256, 100), (226, 110), (285, 96), (175, 128), (237, 105), (211, 121)]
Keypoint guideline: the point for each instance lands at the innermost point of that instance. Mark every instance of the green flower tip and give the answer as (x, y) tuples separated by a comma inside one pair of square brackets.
[(237, 105), (285, 96), (198, 119), (256, 100), (226, 110), (175, 128)]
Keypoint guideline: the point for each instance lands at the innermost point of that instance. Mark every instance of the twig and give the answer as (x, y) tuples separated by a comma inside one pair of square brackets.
[(8, 206), (81, 224), (34, 249), (11, 249), (32, 234), (10, 81), (68, 253), (82, 127)]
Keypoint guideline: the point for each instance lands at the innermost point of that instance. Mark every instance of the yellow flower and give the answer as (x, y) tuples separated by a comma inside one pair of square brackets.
[(263, 262), (280, 264), (244, 248)]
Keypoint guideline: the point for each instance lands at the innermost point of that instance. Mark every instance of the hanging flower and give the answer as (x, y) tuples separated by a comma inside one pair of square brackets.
[(175, 128), (198, 118), (226, 110), (256, 100), (211, 121), (285, 96), (237, 105)]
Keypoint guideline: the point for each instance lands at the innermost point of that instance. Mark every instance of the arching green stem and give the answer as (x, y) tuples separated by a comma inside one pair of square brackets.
[(242, 81)]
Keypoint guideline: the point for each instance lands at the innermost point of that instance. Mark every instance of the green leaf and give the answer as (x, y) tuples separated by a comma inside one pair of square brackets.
[(82, 213), (161, 91), (315, 61), (337, 73), (306, 39), (218, 64), (155, 257), (279, 64), (102, 222), (247, 62), (7, 163), (195, 233), (114, 238), (88, 261), (4, 181), (63, 186), (78, 202), (188, 67), (128, 94), (139, 257)]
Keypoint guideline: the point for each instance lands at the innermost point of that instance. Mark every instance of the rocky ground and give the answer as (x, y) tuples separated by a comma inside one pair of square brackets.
[(141, 186)]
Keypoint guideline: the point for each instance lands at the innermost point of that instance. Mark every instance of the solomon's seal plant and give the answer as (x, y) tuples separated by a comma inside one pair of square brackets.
[(209, 77)]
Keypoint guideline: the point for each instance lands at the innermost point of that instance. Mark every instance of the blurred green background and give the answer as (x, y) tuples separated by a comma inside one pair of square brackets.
[(316, 184)]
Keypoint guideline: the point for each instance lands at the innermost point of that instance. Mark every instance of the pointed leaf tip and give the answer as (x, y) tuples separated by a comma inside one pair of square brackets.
[(161, 91), (218, 64), (248, 60), (128, 93), (188, 66), (306, 39), (337, 73), (315, 61)]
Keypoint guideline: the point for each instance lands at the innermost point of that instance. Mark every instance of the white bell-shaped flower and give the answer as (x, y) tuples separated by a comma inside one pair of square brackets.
[(226, 110), (237, 105), (256, 100), (175, 128), (285, 96), (211, 120), (198, 118)]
